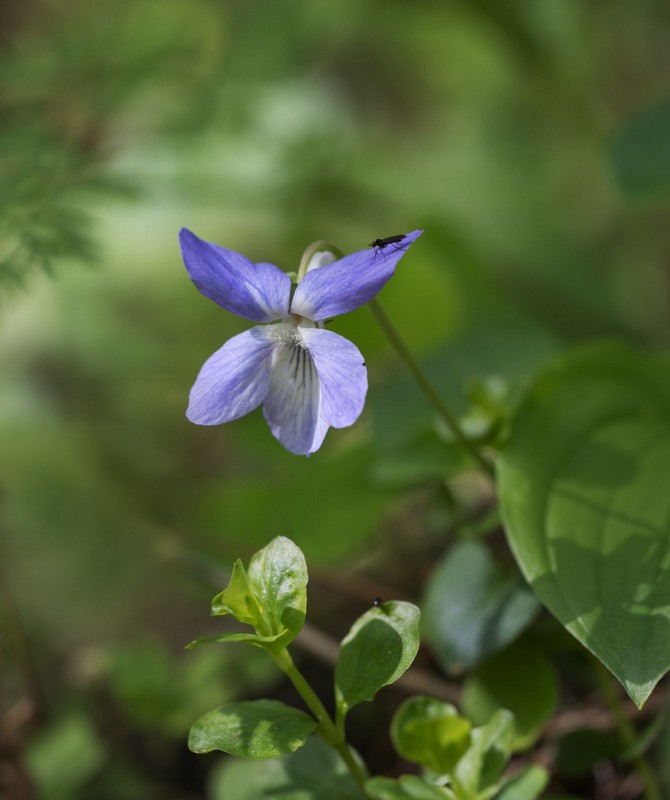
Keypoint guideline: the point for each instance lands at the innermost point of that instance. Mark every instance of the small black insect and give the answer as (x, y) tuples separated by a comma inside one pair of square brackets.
[(380, 244), (377, 602)]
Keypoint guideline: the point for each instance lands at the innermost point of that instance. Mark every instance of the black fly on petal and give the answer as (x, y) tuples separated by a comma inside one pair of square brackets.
[(379, 244)]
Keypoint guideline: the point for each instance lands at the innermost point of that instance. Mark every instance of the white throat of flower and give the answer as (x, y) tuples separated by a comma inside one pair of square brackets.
[(287, 333)]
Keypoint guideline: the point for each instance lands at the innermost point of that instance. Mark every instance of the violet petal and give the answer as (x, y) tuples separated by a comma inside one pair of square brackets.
[(342, 376), (233, 381), (259, 292), (348, 283), (292, 404)]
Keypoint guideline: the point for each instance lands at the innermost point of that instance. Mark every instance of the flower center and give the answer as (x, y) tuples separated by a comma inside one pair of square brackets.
[(287, 333)]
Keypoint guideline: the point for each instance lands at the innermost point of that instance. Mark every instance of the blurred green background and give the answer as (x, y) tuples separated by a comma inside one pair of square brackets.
[(531, 141)]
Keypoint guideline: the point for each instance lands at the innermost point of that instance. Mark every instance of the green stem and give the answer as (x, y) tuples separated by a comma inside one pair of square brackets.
[(327, 729), (627, 733), (427, 388)]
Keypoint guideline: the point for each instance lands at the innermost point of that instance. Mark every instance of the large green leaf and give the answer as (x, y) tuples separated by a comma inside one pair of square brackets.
[(583, 489), (471, 608), (380, 646), (252, 729)]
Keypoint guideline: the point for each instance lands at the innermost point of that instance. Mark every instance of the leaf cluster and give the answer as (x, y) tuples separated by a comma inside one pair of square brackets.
[(461, 762), (271, 597)]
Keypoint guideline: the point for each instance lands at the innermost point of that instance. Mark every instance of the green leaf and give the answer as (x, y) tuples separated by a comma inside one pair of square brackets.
[(521, 680), (252, 638), (407, 787), (585, 514), (480, 769), (471, 608), (527, 785), (315, 772), (271, 596), (640, 153), (431, 733), (253, 729), (278, 577), (380, 646), (238, 598)]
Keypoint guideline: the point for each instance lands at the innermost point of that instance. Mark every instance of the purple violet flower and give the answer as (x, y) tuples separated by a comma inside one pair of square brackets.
[(306, 378)]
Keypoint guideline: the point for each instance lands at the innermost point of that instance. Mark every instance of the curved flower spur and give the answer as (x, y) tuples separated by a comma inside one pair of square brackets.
[(306, 378)]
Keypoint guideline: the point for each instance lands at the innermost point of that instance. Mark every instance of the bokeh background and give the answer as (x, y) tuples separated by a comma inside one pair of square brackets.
[(527, 138)]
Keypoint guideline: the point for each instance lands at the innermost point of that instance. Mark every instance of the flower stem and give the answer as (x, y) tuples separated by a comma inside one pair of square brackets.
[(427, 388), (326, 728), (626, 731), (321, 250)]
